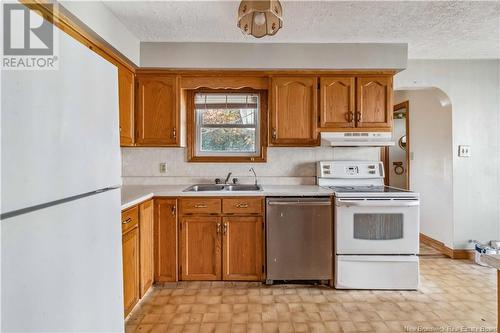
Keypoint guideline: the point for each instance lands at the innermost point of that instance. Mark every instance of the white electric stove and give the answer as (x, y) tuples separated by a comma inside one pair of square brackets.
[(376, 227)]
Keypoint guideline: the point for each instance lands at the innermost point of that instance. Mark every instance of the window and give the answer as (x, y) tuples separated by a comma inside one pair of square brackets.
[(227, 125)]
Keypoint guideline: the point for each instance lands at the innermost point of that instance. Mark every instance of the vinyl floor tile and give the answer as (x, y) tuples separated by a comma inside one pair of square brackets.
[(453, 293)]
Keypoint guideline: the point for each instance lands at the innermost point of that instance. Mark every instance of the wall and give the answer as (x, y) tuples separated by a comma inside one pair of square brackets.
[(274, 56), (103, 22), (285, 166), (473, 88), (431, 148)]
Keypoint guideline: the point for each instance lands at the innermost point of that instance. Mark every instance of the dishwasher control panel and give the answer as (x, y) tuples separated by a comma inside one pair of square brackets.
[(350, 169)]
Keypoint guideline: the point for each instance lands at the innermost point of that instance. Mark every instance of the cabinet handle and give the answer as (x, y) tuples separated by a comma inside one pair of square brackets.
[(358, 116), (218, 227), (200, 206), (173, 210), (174, 133), (224, 230), (127, 221), (241, 205), (274, 133), (350, 116)]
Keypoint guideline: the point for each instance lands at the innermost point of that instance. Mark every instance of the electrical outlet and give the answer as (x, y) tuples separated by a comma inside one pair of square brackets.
[(163, 167), (464, 151)]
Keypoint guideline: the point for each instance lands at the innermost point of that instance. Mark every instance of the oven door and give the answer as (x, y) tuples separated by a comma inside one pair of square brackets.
[(376, 226)]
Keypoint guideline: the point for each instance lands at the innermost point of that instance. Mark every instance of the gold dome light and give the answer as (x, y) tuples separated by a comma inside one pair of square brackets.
[(260, 18)]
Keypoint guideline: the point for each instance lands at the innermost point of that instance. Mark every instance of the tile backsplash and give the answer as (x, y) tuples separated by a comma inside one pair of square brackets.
[(285, 166)]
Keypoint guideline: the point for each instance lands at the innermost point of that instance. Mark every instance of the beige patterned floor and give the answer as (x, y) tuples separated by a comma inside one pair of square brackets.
[(454, 294)]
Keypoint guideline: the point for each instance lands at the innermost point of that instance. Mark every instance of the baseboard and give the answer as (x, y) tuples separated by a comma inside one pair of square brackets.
[(443, 249)]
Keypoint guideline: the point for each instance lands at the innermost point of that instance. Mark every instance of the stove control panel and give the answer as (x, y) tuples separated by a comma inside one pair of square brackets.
[(350, 169)]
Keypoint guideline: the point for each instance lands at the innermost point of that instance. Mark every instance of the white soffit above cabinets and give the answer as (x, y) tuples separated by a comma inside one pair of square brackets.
[(432, 29), (275, 56)]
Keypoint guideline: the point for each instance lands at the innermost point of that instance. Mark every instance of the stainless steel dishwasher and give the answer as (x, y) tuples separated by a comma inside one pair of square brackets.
[(299, 238)]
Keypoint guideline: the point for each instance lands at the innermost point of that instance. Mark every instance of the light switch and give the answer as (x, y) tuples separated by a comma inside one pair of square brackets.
[(163, 167), (464, 151)]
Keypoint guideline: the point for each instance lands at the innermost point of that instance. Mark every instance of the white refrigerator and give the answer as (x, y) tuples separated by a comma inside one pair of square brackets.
[(61, 264)]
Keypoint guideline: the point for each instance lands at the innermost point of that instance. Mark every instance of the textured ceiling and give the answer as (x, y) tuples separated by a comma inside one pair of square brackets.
[(432, 29)]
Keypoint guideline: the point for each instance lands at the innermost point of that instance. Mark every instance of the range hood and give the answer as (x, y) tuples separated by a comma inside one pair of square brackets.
[(356, 139)]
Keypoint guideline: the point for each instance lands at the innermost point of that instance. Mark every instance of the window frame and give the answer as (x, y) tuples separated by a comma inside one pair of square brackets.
[(194, 131)]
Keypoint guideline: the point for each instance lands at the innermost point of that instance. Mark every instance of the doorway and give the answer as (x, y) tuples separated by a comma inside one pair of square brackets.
[(397, 157)]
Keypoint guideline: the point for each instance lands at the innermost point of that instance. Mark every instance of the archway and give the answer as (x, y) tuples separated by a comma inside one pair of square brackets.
[(431, 158)]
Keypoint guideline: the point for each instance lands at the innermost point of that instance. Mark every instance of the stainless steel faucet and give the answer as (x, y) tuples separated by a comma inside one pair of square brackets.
[(228, 177), (254, 174)]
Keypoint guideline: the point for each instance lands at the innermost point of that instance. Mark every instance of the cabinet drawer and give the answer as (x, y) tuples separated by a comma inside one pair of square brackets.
[(200, 206), (242, 206), (130, 218)]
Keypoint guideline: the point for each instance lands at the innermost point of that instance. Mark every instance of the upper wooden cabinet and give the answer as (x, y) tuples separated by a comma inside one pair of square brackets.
[(146, 245), (361, 103), (374, 102), (165, 239), (293, 120), (126, 105), (157, 116), (337, 102)]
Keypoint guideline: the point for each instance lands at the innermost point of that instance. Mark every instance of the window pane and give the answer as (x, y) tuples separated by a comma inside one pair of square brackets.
[(227, 116), (228, 140), (227, 108)]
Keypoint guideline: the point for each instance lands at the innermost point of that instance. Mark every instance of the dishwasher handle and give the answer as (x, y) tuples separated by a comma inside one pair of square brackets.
[(299, 203)]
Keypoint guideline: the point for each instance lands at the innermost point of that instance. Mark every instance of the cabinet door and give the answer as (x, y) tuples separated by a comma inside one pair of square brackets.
[(200, 248), (126, 105), (157, 112), (374, 102), (294, 111), (146, 245), (337, 102), (242, 248), (165, 240), (130, 257)]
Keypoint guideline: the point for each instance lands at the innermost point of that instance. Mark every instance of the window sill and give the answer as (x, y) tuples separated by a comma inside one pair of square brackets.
[(262, 158)]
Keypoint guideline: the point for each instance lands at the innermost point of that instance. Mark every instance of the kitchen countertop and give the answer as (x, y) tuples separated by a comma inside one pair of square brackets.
[(491, 259), (134, 194)]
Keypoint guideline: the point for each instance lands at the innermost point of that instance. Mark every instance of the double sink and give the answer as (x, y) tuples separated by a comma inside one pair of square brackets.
[(222, 188)]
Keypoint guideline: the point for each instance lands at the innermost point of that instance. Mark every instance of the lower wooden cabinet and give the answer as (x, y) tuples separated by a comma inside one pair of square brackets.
[(165, 239), (221, 248), (242, 248), (146, 246), (130, 257), (200, 248)]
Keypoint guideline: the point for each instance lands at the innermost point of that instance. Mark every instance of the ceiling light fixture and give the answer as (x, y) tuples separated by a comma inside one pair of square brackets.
[(260, 18)]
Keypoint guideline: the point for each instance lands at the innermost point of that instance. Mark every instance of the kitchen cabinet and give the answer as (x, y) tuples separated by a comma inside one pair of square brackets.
[(146, 246), (201, 248), (361, 103), (293, 116), (242, 248), (157, 116), (221, 239), (130, 259), (337, 102), (165, 236), (374, 102), (126, 105)]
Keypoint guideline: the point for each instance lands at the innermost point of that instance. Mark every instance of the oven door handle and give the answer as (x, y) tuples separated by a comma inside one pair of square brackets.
[(378, 203)]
